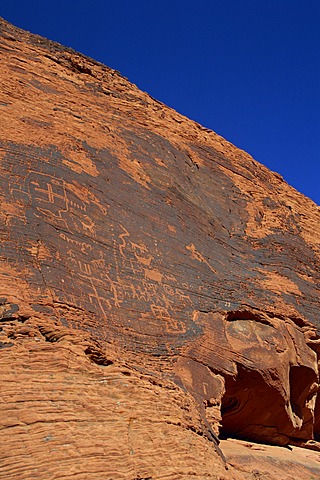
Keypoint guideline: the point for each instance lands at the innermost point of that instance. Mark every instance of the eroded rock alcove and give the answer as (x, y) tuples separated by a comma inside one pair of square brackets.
[(159, 288)]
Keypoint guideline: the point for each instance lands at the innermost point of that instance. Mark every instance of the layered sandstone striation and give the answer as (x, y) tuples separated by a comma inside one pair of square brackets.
[(159, 288)]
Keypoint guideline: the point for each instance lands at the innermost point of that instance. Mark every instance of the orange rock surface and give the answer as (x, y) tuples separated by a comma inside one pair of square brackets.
[(159, 288)]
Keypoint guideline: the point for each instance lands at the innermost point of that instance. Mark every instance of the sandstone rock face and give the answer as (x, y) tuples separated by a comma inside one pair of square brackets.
[(159, 287)]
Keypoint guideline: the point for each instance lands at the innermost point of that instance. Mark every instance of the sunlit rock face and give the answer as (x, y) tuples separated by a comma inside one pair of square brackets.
[(159, 288)]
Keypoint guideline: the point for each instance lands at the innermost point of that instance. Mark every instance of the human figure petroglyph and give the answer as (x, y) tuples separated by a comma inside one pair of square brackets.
[(166, 301)]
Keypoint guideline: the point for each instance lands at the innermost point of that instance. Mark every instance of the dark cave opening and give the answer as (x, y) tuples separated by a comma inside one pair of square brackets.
[(254, 409)]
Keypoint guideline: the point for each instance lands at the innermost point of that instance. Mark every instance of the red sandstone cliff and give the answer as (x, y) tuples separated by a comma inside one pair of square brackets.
[(159, 287)]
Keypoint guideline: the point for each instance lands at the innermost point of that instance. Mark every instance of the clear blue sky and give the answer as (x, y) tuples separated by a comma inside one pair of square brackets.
[(247, 69)]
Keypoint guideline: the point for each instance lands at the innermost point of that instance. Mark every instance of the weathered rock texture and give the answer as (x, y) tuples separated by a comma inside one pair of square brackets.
[(159, 287)]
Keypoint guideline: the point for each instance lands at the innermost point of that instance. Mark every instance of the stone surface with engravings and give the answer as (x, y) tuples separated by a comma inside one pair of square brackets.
[(159, 288)]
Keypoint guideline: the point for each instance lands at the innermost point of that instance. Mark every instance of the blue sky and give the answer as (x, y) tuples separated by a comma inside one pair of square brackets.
[(247, 69)]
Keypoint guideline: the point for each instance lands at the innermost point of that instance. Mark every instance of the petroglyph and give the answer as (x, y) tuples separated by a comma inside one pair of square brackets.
[(127, 277), (88, 225), (122, 236), (171, 325), (46, 189), (39, 251), (183, 297), (131, 277), (154, 275), (131, 265), (141, 253), (198, 256), (99, 263), (85, 268), (50, 194), (100, 300), (84, 247)]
